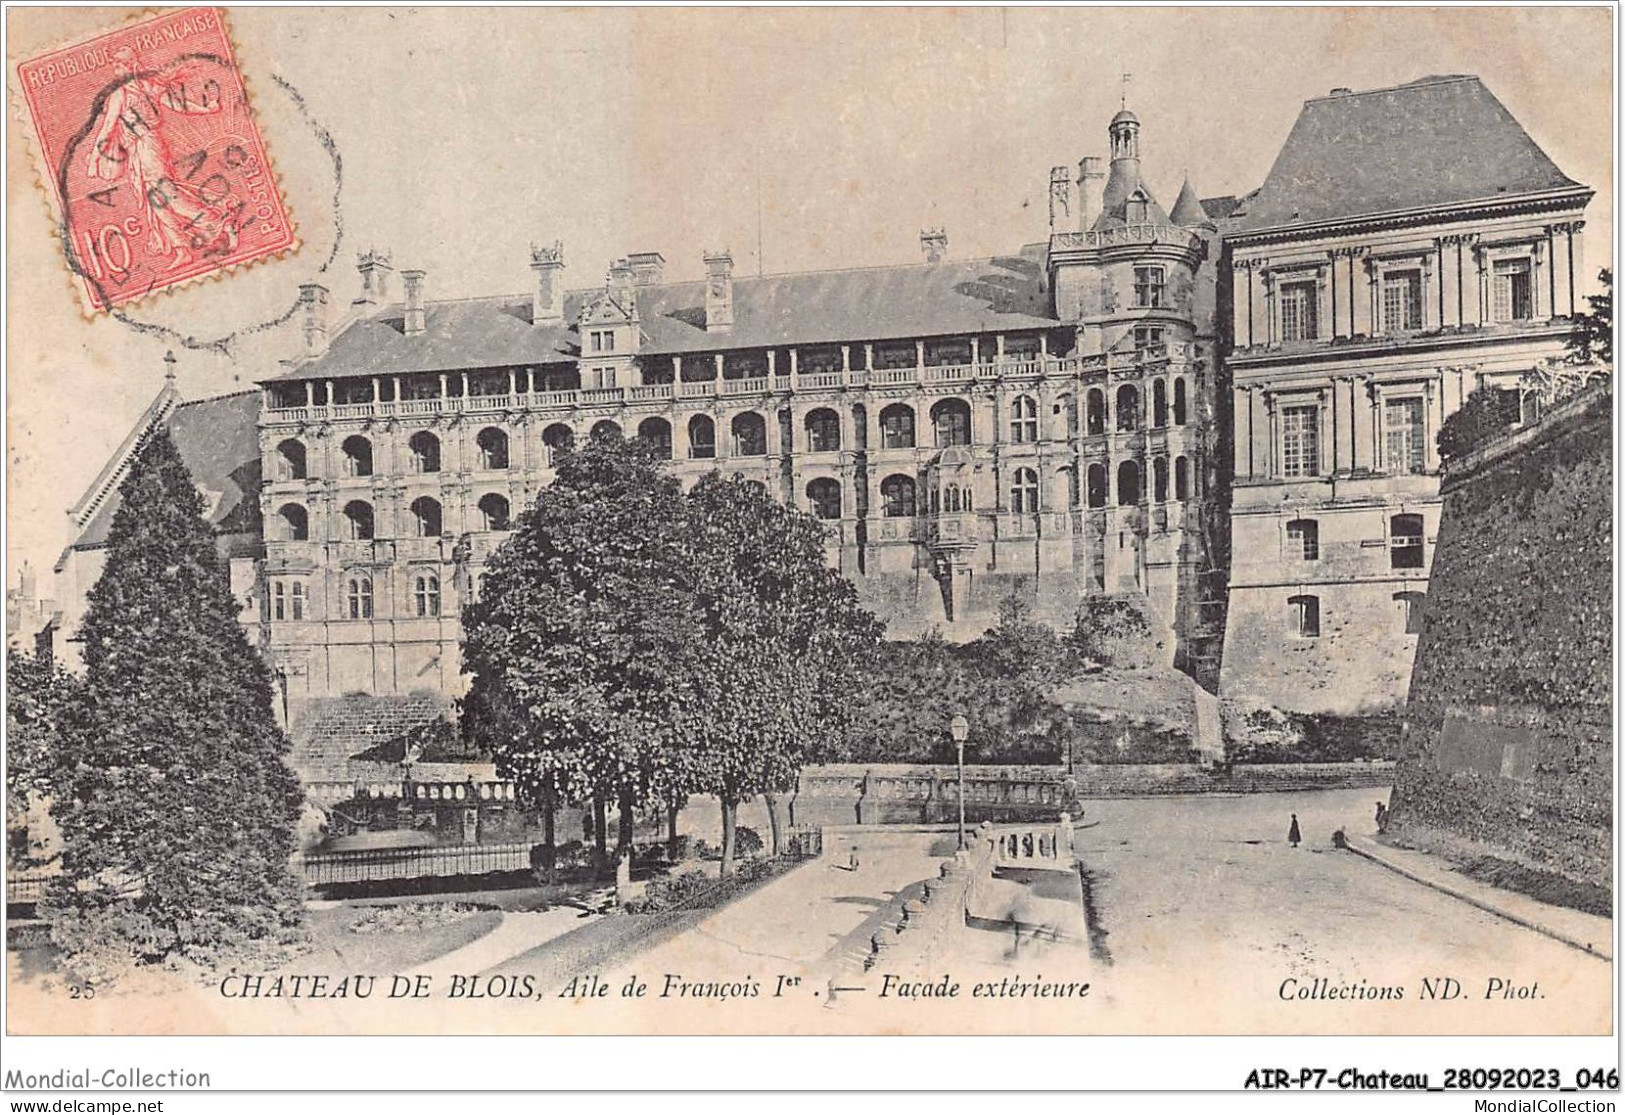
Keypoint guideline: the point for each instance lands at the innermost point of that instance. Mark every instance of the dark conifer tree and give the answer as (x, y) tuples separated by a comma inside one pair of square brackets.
[(176, 805)]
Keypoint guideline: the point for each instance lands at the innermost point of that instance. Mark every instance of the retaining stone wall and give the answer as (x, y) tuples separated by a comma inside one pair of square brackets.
[(1507, 744)]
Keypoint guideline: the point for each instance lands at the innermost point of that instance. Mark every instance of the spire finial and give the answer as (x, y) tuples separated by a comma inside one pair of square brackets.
[(1126, 77), (169, 365)]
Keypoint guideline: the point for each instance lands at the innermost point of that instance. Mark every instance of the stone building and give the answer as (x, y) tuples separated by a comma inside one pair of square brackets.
[(1409, 246), (1156, 401), (968, 429)]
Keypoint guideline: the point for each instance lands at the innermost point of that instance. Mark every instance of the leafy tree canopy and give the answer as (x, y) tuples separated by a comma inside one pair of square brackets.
[(176, 805)]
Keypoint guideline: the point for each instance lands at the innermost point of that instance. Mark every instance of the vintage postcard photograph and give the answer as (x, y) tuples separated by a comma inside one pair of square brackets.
[(801, 522)]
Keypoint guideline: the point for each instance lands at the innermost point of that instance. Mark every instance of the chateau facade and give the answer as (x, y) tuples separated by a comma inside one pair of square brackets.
[(1152, 401)]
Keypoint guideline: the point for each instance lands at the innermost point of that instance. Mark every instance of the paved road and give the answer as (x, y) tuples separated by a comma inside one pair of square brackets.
[(1208, 911), (1208, 915)]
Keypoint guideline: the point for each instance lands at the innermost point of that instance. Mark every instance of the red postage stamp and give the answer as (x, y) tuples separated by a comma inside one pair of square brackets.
[(157, 172)]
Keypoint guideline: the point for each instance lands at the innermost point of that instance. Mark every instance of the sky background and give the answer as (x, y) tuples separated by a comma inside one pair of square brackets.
[(467, 134)]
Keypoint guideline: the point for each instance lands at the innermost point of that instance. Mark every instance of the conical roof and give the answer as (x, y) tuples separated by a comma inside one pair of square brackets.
[(1188, 211)]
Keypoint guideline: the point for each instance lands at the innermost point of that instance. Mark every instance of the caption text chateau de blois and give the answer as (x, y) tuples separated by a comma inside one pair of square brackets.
[(1228, 405)]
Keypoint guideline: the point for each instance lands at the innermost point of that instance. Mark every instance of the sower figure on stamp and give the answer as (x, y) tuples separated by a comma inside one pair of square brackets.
[(129, 147), (1293, 834)]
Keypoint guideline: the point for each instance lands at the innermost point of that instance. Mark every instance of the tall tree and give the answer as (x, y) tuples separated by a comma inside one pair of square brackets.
[(1593, 336), (783, 642), (176, 804), (578, 643), (39, 694)]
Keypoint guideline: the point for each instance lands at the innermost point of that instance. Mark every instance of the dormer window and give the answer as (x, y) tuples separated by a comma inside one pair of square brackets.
[(1148, 281), (603, 340), (1136, 211), (1512, 291)]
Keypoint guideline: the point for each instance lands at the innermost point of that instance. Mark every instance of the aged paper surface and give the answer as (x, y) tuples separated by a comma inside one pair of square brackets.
[(1165, 309)]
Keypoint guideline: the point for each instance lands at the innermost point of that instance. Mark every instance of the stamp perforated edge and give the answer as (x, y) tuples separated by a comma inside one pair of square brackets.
[(24, 118)]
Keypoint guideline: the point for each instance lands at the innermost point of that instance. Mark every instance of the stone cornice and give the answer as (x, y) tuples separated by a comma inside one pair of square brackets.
[(1546, 201)]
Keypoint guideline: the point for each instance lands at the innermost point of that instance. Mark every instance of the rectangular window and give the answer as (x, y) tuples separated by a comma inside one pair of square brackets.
[(1148, 286), (1404, 440), (1299, 303), (298, 599), (278, 600), (1512, 295), (1303, 539), (1401, 301), (603, 377), (1147, 337), (1405, 547), (1300, 441)]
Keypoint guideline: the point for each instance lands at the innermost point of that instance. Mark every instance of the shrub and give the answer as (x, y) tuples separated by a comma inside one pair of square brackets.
[(691, 889), (1117, 631), (747, 842)]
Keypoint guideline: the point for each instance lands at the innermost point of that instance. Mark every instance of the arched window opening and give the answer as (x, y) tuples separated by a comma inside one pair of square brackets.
[(1159, 404), (494, 511), (1180, 405), (1410, 607), (290, 462), (1097, 485), (1303, 616), (1159, 479), (1024, 492), (823, 431), (559, 439), (702, 438), (605, 430), (1095, 422), (1182, 478), (493, 444), (1024, 419), (425, 448), (358, 519), (824, 496), (749, 435), (1406, 550), (357, 456), (1128, 408), (897, 497), (951, 420), (1128, 483), (656, 433), (426, 517), (897, 427), (951, 499), (295, 523), (427, 594), (1303, 540), (359, 597)]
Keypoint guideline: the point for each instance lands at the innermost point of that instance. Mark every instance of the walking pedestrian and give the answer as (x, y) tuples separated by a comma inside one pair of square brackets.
[(1293, 834)]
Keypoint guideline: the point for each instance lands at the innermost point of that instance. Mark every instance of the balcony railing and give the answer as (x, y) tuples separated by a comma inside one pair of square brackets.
[(1168, 358)]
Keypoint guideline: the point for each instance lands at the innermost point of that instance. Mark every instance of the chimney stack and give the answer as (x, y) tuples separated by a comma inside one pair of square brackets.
[(648, 268), (1060, 198), (719, 291), (620, 284), (375, 271), (934, 242), (1091, 192), (547, 299), (313, 305), (416, 316)]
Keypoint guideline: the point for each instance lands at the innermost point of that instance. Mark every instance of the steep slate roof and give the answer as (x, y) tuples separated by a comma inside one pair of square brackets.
[(219, 442), (1001, 294), (1187, 210), (1435, 141)]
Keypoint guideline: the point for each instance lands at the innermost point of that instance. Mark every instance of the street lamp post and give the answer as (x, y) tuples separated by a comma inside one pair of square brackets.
[(959, 728)]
